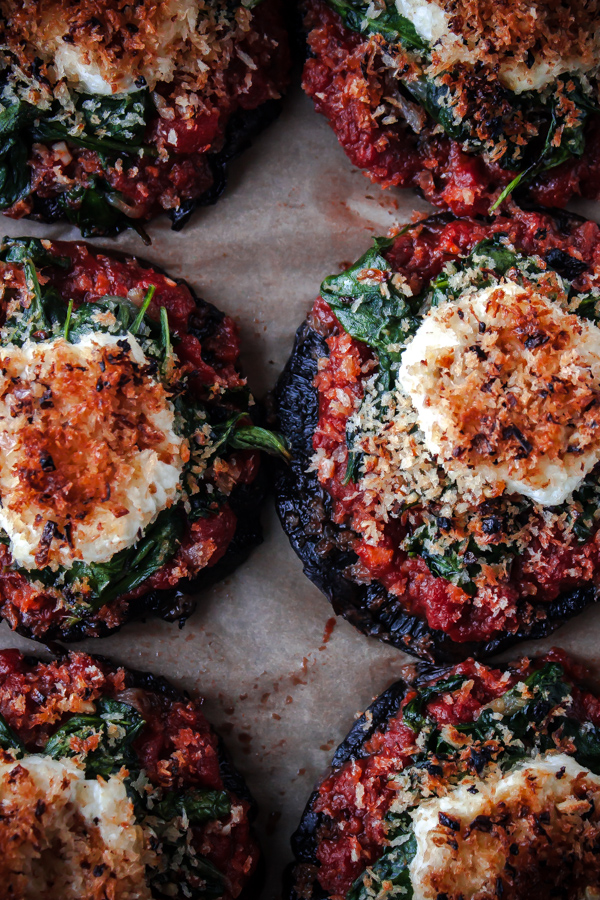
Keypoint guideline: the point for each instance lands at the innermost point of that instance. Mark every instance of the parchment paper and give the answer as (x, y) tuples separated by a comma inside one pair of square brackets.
[(279, 683)]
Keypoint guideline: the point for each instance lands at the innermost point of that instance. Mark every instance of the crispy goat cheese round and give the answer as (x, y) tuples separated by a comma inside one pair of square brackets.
[(88, 451), (65, 837), (506, 385), (466, 839), (93, 59)]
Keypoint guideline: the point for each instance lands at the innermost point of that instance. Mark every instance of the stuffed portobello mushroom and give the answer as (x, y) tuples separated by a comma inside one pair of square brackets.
[(468, 102), (466, 783), (113, 784), (129, 463), (112, 113), (442, 404)]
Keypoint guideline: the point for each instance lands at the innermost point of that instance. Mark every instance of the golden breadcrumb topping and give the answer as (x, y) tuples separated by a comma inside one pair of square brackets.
[(489, 838), (558, 28), (511, 379), (125, 44)]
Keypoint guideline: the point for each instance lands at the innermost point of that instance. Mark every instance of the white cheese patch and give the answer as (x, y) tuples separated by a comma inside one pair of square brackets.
[(442, 351), (65, 826), (78, 67), (429, 19), (472, 867), (144, 481)]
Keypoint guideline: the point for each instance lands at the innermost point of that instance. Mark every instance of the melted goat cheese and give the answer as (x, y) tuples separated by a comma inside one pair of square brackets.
[(59, 826), (455, 859), (109, 458), (505, 384)]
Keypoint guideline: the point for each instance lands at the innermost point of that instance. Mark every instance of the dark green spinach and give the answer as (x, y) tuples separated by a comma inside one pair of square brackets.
[(9, 740), (369, 305), (391, 869), (237, 434), (99, 583), (532, 717), (199, 806), (413, 714)]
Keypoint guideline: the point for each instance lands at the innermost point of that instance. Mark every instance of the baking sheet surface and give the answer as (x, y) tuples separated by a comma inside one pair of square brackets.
[(282, 679)]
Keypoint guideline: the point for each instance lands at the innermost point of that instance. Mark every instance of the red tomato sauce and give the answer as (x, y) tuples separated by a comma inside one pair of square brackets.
[(347, 88), (420, 255), (355, 798), (177, 746)]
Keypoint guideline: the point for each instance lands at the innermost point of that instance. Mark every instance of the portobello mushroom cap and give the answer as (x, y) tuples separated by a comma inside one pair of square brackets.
[(305, 508), (178, 602)]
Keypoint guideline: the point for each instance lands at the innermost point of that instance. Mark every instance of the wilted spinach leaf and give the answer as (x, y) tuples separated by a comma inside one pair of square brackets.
[(91, 211), (237, 436), (22, 249), (199, 806), (131, 566), (116, 724), (369, 305), (413, 713), (392, 868)]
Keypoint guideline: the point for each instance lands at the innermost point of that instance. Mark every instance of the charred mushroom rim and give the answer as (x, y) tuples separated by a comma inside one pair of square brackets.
[(460, 783), (466, 101), (129, 461), (441, 403), (112, 783), (111, 113)]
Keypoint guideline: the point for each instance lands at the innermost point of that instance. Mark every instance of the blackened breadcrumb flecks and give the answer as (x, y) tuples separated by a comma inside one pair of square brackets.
[(462, 102), (424, 526), (115, 113), (145, 806), (472, 781)]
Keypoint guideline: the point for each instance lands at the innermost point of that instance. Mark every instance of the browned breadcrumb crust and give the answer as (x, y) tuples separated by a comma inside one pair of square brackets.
[(77, 439), (519, 27), (122, 37), (344, 827), (519, 409), (48, 847)]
